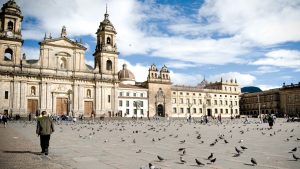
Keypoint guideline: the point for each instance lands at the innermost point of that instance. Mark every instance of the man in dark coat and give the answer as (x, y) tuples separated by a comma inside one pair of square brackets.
[(270, 121), (44, 129)]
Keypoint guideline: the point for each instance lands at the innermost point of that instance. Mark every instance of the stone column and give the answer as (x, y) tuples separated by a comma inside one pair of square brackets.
[(16, 98), (23, 99), (75, 98), (43, 96), (98, 94), (80, 99), (49, 98)]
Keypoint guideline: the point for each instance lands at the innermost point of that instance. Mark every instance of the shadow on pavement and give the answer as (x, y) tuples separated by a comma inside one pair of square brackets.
[(22, 152)]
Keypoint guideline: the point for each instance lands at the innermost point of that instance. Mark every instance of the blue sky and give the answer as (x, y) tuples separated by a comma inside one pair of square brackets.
[(257, 42)]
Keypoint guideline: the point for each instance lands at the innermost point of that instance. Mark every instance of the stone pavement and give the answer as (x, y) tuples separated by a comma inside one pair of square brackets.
[(16, 151), (110, 145)]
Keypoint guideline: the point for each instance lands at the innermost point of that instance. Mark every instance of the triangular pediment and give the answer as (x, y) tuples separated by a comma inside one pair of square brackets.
[(63, 42)]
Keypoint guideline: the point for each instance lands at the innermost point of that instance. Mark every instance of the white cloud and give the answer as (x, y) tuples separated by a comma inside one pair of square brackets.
[(31, 53), (185, 79), (265, 22), (267, 87), (180, 65), (242, 79), (266, 69), (281, 58)]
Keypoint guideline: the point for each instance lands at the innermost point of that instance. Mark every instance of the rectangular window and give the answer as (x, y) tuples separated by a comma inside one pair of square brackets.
[(108, 99), (221, 103), (120, 103), (142, 104), (226, 111), (6, 95), (134, 111), (236, 111), (174, 110), (187, 101), (226, 102), (194, 101), (236, 103), (127, 94), (188, 110), (216, 111), (194, 110), (174, 100), (200, 101), (127, 103), (127, 111), (121, 94), (142, 94), (200, 110), (134, 94), (181, 110), (181, 100), (216, 102), (142, 111)]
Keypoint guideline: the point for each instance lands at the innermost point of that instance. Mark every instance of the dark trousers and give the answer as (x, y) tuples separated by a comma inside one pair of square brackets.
[(44, 139)]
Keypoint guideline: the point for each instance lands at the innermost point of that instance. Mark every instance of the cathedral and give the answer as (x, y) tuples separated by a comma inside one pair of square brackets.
[(61, 83)]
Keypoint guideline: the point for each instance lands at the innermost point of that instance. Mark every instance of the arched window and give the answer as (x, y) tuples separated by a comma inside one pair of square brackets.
[(88, 93), (32, 90), (63, 63), (108, 65), (108, 40), (10, 25), (163, 76), (8, 54)]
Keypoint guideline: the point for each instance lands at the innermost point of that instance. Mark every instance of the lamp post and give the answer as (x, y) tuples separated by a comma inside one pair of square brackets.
[(259, 108), (230, 106), (137, 105)]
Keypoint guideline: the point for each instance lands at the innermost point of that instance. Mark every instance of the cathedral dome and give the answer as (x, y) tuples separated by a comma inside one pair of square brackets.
[(126, 76)]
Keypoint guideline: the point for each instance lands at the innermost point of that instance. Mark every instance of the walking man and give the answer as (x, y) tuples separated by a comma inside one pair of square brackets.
[(44, 129)]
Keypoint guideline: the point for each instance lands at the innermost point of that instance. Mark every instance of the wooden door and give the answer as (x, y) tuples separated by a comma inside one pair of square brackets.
[(88, 108), (32, 106), (61, 106)]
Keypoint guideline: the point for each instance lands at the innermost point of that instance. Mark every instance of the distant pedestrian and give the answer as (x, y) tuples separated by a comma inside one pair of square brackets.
[(44, 129), (270, 121), (4, 119), (29, 117)]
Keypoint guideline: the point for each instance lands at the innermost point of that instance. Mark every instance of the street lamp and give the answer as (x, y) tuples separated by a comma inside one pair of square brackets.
[(137, 105), (230, 106)]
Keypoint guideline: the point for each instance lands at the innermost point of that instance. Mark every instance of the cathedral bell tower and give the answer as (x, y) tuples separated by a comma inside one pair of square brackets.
[(10, 33), (106, 54)]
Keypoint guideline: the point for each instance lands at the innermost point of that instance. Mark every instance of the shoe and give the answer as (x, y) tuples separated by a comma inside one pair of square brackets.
[(46, 153)]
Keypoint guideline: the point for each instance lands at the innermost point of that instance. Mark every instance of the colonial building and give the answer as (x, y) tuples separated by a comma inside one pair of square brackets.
[(60, 82), (280, 101), (212, 99)]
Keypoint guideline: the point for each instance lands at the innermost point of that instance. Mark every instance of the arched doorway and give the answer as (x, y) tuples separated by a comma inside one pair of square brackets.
[(160, 110)]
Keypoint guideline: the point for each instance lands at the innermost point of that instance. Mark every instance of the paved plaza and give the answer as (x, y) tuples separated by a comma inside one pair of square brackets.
[(130, 144)]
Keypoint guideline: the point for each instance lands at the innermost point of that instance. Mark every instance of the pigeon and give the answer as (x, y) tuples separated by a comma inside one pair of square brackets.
[(198, 162), (160, 158), (182, 160), (243, 147), (294, 149), (253, 161), (183, 141), (133, 141), (225, 141), (295, 157), (151, 166), (183, 153), (241, 141), (211, 156), (139, 151), (213, 160), (237, 150), (180, 149)]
